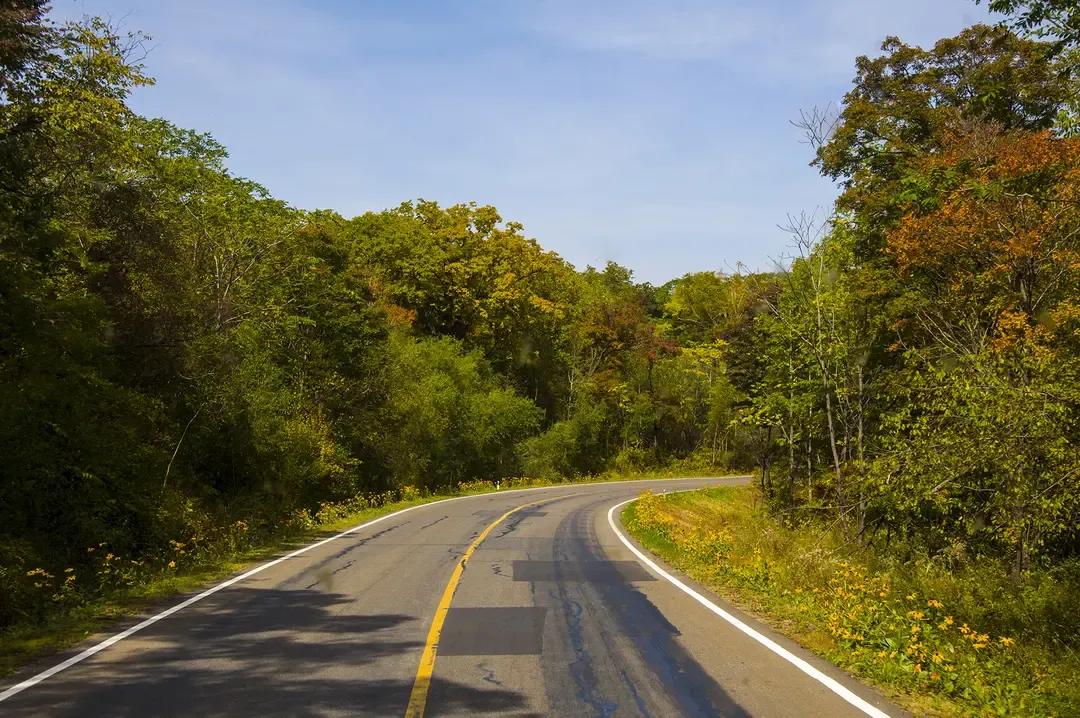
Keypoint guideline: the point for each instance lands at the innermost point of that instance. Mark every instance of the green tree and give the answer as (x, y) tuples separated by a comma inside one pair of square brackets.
[(25, 38), (449, 418), (460, 272), (1059, 19)]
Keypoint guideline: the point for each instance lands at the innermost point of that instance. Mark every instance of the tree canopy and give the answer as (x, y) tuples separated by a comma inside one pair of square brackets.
[(188, 360)]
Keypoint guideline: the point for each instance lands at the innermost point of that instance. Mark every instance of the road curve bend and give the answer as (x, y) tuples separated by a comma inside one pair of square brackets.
[(517, 603)]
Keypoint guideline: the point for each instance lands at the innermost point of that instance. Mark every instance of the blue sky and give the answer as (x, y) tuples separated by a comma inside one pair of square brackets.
[(655, 134)]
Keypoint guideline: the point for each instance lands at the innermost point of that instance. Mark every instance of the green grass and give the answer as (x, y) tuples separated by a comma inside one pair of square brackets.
[(947, 639), (24, 642)]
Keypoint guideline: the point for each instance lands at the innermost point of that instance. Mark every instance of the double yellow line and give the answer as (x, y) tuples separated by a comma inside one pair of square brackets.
[(422, 683)]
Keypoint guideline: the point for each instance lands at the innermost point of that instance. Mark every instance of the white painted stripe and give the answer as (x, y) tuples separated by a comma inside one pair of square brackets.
[(97, 647), (830, 683)]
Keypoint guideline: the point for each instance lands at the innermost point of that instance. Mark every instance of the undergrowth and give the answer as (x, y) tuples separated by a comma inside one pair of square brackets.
[(946, 639)]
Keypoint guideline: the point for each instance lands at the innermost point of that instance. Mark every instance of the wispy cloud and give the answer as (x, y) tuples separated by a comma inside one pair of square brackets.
[(785, 38), (677, 30), (653, 133)]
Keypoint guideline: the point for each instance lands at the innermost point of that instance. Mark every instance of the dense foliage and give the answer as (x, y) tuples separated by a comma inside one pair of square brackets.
[(921, 357), (181, 352)]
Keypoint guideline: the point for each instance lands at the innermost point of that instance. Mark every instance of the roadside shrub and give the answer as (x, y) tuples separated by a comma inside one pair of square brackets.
[(449, 418), (569, 448), (631, 459)]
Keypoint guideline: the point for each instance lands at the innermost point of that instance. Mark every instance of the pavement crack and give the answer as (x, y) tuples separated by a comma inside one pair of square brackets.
[(581, 667), (373, 536), (488, 675), (341, 568), (427, 526), (638, 701), (512, 524)]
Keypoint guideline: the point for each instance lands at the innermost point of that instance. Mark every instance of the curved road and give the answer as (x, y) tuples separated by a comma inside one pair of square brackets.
[(551, 615)]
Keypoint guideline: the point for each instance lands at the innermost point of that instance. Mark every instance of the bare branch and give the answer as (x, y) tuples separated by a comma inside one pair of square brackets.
[(818, 124)]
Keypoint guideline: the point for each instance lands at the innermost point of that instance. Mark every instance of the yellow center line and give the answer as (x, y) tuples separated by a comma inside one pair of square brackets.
[(422, 683)]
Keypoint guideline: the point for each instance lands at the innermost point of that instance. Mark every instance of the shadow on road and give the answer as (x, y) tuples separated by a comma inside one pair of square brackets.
[(255, 651), (591, 611)]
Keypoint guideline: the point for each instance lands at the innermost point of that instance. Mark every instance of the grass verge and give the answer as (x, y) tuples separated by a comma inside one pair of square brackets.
[(942, 639), (64, 622)]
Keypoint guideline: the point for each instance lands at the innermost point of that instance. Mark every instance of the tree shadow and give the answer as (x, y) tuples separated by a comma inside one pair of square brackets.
[(687, 686), (257, 651)]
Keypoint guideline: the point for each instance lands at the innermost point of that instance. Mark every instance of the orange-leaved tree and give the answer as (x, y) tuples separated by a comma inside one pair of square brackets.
[(988, 251)]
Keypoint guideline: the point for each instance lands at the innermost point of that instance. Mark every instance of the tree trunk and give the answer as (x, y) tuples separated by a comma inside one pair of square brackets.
[(766, 481), (1021, 557), (836, 457)]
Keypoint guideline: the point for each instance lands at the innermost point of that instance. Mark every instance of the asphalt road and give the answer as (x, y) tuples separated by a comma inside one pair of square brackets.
[(551, 615)]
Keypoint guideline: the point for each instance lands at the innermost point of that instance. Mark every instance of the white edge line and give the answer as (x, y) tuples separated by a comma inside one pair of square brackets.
[(831, 683), (116, 638)]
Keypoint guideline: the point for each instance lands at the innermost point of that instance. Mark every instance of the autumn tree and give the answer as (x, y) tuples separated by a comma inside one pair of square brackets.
[(904, 102), (989, 252)]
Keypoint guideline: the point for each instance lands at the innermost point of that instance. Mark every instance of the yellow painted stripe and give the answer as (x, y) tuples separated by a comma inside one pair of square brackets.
[(418, 697)]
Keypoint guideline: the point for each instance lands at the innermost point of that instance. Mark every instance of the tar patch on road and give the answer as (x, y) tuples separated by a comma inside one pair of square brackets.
[(587, 571), (493, 632)]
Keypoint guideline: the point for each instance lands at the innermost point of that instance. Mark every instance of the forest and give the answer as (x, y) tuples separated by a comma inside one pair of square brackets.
[(187, 362)]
